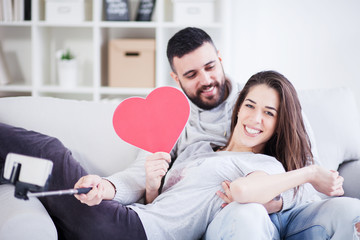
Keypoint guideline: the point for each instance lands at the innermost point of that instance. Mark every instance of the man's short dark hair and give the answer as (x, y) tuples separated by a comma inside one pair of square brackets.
[(186, 41)]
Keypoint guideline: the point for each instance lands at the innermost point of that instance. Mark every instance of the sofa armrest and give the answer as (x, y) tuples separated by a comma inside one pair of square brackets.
[(20, 219), (350, 171)]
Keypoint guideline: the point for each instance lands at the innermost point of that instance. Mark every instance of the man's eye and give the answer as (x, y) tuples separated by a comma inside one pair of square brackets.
[(208, 68), (190, 76)]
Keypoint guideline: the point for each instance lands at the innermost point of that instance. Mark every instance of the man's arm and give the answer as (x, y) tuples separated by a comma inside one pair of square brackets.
[(130, 183), (156, 167), (101, 190)]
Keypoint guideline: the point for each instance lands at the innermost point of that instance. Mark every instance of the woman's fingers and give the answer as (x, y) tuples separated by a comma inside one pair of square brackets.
[(328, 182), (226, 187), (226, 195), (223, 196)]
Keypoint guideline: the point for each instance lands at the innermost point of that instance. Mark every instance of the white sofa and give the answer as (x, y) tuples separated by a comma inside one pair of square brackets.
[(86, 128)]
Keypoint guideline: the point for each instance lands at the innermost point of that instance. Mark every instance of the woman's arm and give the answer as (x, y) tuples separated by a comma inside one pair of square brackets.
[(275, 205), (261, 187)]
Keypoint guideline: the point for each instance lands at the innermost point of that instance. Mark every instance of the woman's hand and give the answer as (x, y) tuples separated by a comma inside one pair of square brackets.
[(156, 166), (102, 189), (271, 207), (328, 182), (226, 197)]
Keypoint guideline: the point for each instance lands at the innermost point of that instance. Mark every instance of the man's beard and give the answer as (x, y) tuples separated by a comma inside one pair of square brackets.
[(208, 105)]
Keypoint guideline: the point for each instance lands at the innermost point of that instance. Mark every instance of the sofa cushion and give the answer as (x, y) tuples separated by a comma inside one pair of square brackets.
[(333, 115), (350, 171), (20, 219)]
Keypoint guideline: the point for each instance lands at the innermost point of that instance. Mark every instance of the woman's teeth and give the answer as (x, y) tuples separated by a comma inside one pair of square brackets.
[(251, 130)]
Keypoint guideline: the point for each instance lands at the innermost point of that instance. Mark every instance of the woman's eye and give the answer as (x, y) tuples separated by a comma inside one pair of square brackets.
[(270, 114), (249, 105)]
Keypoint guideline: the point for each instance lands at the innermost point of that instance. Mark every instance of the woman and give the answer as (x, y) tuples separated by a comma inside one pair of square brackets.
[(187, 203), (290, 145)]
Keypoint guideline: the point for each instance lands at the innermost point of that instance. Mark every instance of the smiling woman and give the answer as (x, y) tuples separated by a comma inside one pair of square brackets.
[(267, 119), (257, 120)]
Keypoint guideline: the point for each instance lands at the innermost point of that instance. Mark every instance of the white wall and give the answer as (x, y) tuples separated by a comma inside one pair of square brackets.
[(315, 43)]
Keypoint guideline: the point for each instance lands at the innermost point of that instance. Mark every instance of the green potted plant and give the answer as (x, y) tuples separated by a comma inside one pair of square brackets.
[(67, 55), (67, 68)]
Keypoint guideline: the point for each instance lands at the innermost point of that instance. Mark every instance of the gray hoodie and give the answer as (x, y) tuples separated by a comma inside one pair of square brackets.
[(203, 125), (208, 125)]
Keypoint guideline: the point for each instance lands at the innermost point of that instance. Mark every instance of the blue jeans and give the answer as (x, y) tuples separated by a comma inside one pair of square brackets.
[(334, 218)]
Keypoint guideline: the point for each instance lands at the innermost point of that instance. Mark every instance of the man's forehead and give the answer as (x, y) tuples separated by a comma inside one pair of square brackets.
[(196, 59)]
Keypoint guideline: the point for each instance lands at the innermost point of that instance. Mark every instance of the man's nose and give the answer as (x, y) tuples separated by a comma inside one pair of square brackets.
[(205, 78)]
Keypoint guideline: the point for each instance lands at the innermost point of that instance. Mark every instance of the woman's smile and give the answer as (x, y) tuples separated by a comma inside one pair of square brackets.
[(251, 132)]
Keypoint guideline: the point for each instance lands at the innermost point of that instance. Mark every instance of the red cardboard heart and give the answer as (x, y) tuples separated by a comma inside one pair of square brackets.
[(155, 123)]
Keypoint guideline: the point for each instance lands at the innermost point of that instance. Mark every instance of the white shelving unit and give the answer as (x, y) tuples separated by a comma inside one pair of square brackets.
[(29, 48)]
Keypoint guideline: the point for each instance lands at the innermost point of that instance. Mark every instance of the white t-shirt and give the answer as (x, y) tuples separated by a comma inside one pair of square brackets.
[(188, 202)]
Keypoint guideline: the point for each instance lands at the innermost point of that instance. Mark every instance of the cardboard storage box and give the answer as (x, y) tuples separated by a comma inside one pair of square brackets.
[(190, 11), (131, 63), (67, 10)]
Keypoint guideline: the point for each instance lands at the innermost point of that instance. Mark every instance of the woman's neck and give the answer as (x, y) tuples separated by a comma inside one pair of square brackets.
[(240, 148)]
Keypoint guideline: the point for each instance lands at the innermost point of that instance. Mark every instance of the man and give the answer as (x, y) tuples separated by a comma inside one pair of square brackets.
[(197, 69)]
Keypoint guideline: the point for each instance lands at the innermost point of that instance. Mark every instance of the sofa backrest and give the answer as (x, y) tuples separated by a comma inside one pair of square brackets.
[(84, 127), (334, 118)]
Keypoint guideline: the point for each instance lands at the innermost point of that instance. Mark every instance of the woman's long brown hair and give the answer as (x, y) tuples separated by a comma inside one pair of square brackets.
[(290, 143)]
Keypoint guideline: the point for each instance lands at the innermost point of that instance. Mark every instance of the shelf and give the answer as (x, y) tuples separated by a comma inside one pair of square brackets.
[(85, 24), (59, 89), (30, 49), (16, 24), (200, 25), (130, 24), (125, 91), (68, 95), (15, 88)]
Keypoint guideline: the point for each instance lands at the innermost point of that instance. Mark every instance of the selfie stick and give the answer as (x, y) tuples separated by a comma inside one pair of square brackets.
[(30, 175), (60, 192)]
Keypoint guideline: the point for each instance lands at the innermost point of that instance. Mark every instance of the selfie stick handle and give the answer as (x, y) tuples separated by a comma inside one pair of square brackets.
[(60, 192)]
